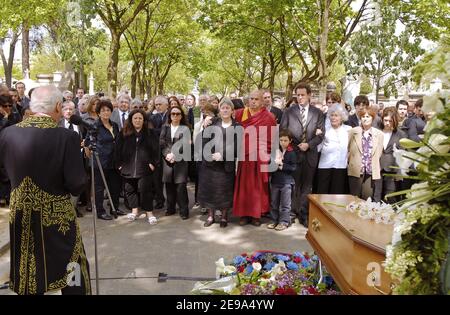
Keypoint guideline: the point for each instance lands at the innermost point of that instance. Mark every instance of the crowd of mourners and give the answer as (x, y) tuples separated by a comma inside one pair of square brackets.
[(249, 157)]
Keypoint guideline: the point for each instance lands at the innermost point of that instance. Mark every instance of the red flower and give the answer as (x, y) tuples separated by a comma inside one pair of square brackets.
[(297, 260), (313, 290), (285, 291), (241, 269)]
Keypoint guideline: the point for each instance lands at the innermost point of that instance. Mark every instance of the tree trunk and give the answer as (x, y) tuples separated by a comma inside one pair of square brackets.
[(377, 89), (82, 78), (323, 42), (134, 75), (8, 64), (113, 63), (289, 84), (25, 49)]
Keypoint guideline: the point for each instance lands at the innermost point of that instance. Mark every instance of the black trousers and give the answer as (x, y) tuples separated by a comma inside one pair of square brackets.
[(332, 181), (303, 176), (158, 186), (139, 192), (177, 194), (113, 180)]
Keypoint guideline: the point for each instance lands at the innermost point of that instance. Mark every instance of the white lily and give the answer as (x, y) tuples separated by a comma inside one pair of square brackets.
[(277, 269), (222, 269), (432, 103)]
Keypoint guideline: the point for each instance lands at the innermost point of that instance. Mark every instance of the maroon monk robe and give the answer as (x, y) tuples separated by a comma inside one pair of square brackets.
[(251, 189)]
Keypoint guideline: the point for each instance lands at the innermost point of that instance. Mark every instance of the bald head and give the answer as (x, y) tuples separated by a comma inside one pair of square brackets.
[(45, 99)]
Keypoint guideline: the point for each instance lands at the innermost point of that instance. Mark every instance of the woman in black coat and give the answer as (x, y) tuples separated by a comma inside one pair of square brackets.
[(391, 135), (175, 144), (216, 182), (137, 156), (107, 133)]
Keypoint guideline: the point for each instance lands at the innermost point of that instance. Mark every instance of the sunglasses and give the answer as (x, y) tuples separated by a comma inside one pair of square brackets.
[(175, 114), (7, 106)]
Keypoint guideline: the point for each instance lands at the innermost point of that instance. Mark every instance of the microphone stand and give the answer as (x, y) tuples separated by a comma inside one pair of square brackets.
[(93, 149)]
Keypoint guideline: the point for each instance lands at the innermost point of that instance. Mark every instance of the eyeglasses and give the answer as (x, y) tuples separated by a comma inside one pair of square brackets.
[(7, 106), (158, 104), (175, 114)]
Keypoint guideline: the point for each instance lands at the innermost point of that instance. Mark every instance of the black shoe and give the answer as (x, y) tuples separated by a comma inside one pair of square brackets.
[(223, 223), (184, 217), (168, 213), (88, 209), (79, 214), (121, 212), (159, 205), (105, 216)]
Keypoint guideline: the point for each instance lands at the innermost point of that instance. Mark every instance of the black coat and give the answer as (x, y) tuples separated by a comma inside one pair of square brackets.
[(45, 168), (414, 126), (157, 121), (286, 174), (387, 157), (177, 172), (106, 144), (278, 113), (135, 152)]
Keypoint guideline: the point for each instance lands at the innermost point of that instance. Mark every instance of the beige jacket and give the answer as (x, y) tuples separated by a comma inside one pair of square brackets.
[(355, 152)]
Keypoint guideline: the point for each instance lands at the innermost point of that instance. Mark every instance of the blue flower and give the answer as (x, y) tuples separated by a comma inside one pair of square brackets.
[(248, 270), (292, 265), (238, 260), (305, 263), (257, 255), (269, 266), (283, 258)]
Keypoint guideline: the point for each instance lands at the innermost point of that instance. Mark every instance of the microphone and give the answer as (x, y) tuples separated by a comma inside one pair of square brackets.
[(77, 120)]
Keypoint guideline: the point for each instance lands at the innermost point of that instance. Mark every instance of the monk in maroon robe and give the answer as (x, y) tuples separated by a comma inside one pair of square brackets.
[(251, 189)]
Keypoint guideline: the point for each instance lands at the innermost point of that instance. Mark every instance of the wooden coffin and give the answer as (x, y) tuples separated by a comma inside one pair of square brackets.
[(351, 248)]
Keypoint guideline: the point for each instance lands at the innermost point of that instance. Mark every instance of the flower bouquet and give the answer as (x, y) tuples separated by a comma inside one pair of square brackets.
[(269, 273), (380, 212)]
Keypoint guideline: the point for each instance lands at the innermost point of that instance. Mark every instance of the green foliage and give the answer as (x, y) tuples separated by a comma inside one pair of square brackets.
[(434, 65), (366, 85), (421, 233), (383, 55)]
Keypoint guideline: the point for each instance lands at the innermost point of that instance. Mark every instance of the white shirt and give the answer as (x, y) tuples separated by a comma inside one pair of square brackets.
[(226, 125), (335, 147), (67, 124), (386, 137), (173, 130)]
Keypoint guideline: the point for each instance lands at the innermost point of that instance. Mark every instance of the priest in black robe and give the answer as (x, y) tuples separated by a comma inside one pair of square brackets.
[(44, 166)]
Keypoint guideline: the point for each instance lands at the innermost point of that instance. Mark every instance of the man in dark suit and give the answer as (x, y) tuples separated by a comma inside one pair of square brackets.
[(120, 115), (307, 126), (157, 121), (415, 124), (268, 102), (68, 109)]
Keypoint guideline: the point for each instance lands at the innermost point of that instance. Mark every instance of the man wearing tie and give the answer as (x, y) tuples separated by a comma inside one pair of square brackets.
[(120, 115), (68, 109), (157, 121), (306, 124)]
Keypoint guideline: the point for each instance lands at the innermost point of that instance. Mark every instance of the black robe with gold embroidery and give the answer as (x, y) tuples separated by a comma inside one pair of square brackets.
[(44, 165)]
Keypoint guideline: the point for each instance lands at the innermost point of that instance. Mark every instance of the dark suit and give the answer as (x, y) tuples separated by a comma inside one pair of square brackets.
[(156, 121), (307, 160), (175, 175), (278, 113), (415, 126), (386, 161)]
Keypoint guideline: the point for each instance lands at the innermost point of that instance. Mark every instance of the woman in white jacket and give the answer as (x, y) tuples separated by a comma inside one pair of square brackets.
[(332, 173)]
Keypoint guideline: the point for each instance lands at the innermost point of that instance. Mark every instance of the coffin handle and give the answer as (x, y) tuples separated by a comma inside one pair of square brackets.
[(315, 224)]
